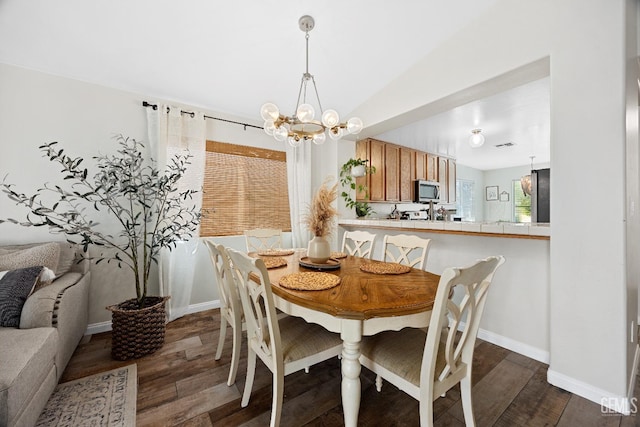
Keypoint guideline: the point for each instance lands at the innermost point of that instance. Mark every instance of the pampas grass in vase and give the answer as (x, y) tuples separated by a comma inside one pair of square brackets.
[(320, 222)]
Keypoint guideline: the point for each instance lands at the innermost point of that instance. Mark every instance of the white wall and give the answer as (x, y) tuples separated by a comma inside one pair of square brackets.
[(590, 318), (497, 210), (37, 108)]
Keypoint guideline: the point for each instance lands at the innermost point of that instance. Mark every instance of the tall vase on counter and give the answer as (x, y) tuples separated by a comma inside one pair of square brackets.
[(319, 221)]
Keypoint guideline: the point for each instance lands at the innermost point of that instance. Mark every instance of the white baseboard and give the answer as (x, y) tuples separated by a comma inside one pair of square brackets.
[(513, 345), (195, 308), (96, 328), (609, 403)]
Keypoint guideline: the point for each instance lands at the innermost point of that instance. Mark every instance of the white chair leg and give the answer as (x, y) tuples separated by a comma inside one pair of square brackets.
[(276, 406), (251, 371), (378, 383), (235, 356), (467, 405), (306, 369), (223, 333), (426, 413)]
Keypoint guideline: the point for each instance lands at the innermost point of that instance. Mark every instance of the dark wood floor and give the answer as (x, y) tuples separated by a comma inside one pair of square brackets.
[(182, 384)]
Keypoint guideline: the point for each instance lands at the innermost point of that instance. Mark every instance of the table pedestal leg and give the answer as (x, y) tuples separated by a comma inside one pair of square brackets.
[(351, 374)]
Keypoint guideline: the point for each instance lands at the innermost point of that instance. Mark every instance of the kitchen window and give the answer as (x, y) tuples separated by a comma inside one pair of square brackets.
[(244, 188), (521, 203), (464, 199)]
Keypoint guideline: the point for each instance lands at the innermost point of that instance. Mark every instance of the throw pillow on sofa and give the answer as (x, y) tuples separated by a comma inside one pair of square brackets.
[(46, 255), (15, 287)]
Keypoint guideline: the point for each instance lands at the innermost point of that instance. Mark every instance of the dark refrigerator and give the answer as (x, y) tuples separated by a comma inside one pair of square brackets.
[(540, 190)]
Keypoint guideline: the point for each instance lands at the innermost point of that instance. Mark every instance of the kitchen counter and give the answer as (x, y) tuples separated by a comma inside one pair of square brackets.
[(539, 231)]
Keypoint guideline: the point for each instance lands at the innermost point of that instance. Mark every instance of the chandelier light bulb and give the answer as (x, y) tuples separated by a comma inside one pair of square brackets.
[(269, 127), (305, 113), (335, 133), (269, 111), (330, 118), (294, 141), (319, 138), (281, 133), (477, 139), (354, 125)]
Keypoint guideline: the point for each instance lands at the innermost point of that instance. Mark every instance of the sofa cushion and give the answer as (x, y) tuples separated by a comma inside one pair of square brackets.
[(27, 357), (15, 287), (46, 255), (66, 259)]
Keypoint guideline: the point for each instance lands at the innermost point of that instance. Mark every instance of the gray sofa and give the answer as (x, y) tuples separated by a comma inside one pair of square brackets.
[(52, 323)]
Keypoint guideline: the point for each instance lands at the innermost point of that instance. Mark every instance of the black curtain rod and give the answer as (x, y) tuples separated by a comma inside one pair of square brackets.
[(155, 107)]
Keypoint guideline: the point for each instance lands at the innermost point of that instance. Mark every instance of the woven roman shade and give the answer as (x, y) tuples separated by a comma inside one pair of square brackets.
[(244, 188)]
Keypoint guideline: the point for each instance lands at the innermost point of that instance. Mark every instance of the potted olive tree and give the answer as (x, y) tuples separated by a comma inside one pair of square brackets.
[(352, 169), (150, 212)]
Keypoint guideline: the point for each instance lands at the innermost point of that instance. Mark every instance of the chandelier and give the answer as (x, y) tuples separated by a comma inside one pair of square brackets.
[(303, 126), (525, 181)]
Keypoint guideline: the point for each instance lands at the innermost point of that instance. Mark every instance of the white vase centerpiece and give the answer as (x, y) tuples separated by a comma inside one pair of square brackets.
[(320, 222)]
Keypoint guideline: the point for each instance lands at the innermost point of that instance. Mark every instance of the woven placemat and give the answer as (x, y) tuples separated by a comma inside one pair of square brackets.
[(276, 252), (274, 262), (338, 255), (309, 281), (385, 268)]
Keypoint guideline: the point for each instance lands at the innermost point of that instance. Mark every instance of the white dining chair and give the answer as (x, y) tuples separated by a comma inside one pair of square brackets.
[(425, 366), (358, 243), (230, 306), (406, 249), (285, 345), (262, 239)]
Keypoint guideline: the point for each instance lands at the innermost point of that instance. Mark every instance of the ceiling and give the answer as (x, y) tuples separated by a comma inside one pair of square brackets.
[(515, 124), (231, 57)]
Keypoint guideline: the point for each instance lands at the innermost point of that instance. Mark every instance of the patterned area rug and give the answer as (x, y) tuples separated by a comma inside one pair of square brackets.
[(104, 399)]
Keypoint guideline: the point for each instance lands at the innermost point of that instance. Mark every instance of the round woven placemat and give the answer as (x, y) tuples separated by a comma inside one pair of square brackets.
[(276, 252), (385, 268), (309, 281), (338, 255), (274, 262)]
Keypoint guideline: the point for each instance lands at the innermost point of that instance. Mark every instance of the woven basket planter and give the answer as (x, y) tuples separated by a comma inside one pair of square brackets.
[(137, 332)]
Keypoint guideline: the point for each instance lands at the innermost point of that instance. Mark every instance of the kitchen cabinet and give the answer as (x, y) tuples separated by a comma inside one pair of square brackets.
[(420, 164), (392, 172), (432, 168), (451, 179), (377, 180), (407, 174), (398, 167), (443, 179)]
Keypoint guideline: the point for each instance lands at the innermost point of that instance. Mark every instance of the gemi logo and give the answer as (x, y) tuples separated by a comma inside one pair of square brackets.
[(617, 406)]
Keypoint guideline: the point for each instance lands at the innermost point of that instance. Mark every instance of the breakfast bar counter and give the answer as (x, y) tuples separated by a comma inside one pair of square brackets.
[(489, 229)]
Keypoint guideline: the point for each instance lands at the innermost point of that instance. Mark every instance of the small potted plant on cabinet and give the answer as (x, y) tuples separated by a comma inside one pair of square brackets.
[(150, 212), (349, 171)]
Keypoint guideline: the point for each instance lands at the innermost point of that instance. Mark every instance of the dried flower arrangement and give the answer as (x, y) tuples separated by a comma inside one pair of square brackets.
[(321, 211)]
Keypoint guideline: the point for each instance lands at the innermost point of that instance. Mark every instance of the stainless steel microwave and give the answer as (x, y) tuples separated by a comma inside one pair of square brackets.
[(426, 191)]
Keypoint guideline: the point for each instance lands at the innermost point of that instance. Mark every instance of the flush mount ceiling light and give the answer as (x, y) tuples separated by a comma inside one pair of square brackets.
[(302, 126), (477, 139)]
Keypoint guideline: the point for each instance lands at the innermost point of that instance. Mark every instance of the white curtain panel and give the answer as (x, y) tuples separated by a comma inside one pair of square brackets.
[(171, 132), (299, 182)]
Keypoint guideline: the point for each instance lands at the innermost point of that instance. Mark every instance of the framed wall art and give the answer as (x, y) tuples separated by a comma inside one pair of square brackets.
[(491, 193)]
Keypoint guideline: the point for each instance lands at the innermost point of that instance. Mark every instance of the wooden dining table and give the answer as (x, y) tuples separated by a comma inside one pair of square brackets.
[(362, 304)]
